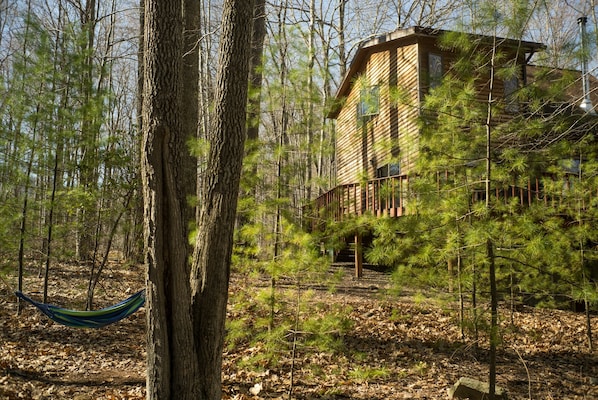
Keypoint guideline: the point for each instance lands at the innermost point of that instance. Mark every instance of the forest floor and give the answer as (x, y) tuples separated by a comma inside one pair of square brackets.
[(398, 346)]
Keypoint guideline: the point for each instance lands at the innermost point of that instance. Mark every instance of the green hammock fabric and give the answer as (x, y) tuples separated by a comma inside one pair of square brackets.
[(90, 319)]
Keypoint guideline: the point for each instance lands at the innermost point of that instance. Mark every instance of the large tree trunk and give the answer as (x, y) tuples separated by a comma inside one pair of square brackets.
[(173, 371), (172, 365), (213, 248)]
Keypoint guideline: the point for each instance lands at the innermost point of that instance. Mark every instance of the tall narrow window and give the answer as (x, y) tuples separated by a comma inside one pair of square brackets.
[(510, 88), (369, 102), (435, 69)]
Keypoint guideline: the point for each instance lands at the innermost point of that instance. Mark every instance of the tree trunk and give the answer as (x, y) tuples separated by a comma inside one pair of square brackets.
[(254, 102), (133, 249), (94, 277), (49, 243), (172, 365), (89, 134), (190, 103), (493, 318), (342, 55), (211, 259), (255, 72), (310, 90), (489, 244)]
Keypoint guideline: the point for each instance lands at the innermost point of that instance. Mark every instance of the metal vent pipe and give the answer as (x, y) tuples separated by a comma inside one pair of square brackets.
[(586, 103)]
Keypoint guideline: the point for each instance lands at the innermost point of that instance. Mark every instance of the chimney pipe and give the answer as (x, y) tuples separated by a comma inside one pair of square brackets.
[(586, 103)]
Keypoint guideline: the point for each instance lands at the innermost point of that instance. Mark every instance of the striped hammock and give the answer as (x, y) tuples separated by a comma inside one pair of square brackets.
[(90, 319)]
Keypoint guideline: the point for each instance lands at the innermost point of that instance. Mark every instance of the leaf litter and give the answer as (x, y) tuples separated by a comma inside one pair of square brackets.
[(398, 347)]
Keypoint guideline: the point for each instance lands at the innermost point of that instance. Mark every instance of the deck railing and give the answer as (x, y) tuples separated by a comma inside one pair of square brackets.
[(381, 197), (388, 197)]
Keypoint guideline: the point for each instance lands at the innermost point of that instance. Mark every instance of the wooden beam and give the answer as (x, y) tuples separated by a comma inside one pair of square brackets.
[(358, 256)]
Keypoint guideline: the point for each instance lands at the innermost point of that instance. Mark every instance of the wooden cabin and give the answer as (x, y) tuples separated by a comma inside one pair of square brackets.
[(378, 115)]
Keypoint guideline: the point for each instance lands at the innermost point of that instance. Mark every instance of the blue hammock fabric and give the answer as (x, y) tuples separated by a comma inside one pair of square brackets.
[(90, 319)]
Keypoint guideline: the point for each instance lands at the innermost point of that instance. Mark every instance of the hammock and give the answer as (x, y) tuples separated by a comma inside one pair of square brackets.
[(90, 319)]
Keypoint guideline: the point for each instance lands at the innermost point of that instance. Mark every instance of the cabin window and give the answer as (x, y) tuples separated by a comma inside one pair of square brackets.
[(571, 166), (387, 170), (572, 169), (510, 88), (382, 172), (369, 102), (435, 69)]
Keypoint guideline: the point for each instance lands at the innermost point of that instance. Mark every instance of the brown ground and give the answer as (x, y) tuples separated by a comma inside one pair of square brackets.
[(399, 347)]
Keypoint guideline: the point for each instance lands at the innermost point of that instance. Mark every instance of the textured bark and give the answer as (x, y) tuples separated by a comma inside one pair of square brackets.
[(255, 71), (170, 353), (255, 99), (173, 338), (211, 259)]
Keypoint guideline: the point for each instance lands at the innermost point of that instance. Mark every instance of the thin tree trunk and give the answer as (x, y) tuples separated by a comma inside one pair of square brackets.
[(461, 300), (94, 278), (474, 306), (50, 226), (281, 158), (586, 304), (134, 250), (489, 244), (255, 72), (254, 102), (89, 132), (21, 256), (25, 210), (310, 90), (493, 317), (341, 37)]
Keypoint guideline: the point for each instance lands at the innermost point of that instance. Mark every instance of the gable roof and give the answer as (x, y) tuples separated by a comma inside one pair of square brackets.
[(402, 37)]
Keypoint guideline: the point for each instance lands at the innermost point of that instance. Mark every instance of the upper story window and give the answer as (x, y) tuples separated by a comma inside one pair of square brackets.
[(369, 102), (435, 69), (510, 88)]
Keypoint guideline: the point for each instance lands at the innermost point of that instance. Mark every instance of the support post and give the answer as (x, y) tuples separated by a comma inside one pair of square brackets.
[(358, 256)]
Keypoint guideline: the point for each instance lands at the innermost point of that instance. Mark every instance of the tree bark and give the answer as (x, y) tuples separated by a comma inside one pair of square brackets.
[(493, 318), (190, 103), (172, 367), (89, 134), (255, 72), (211, 259), (254, 100)]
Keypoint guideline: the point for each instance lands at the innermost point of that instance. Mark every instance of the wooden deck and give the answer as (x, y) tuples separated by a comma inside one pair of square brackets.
[(381, 197), (388, 197)]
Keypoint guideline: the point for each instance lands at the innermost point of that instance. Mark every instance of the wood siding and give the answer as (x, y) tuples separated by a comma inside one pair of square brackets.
[(365, 144), (400, 70), (506, 56)]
